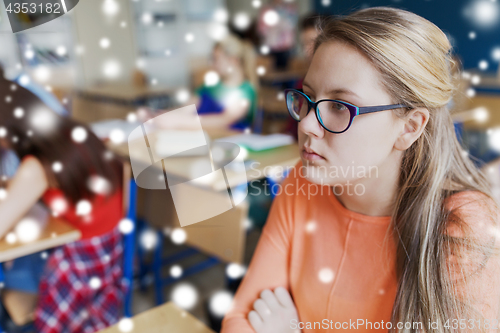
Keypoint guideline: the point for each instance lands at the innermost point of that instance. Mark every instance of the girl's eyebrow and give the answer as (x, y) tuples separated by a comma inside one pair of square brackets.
[(304, 84), (343, 91), (335, 91)]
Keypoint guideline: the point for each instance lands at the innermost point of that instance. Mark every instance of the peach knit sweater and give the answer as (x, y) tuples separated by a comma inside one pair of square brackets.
[(339, 265)]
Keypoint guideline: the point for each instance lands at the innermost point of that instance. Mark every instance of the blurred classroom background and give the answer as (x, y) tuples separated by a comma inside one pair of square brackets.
[(106, 59)]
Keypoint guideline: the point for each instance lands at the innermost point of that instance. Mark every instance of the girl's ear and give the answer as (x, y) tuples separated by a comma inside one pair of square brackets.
[(414, 125)]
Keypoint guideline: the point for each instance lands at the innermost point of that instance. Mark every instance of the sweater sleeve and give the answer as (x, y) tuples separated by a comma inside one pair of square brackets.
[(269, 267), (475, 270)]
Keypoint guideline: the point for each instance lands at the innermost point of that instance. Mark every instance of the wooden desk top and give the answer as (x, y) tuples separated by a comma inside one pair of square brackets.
[(55, 233), (222, 235), (167, 318), (285, 156), (125, 92)]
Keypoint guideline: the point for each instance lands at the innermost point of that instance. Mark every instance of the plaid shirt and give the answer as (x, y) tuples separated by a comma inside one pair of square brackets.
[(82, 288)]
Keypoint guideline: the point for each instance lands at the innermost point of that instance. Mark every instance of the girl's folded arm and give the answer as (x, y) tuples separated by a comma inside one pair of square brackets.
[(269, 267)]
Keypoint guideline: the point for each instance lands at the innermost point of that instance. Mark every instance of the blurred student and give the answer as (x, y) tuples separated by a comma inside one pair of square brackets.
[(276, 27), (228, 97), (309, 30), (8, 159), (65, 165)]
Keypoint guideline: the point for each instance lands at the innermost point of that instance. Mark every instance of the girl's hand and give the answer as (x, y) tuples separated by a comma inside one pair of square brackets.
[(273, 312)]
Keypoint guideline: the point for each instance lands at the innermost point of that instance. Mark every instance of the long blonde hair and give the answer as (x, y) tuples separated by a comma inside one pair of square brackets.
[(414, 58), (243, 50)]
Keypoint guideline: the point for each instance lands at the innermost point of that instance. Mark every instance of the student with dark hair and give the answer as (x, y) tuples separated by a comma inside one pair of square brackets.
[(309, 30), (8, 160), (63, 164), (276, 27)]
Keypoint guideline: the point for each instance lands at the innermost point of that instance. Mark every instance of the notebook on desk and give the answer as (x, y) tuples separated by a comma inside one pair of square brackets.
[(171, 142), (258, 142)]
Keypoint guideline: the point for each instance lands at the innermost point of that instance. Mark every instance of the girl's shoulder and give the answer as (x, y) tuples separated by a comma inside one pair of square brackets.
[(473, 214), (466, 198), (247, 85), (248, 88), (30, 164), (28, 157), (473, 261)]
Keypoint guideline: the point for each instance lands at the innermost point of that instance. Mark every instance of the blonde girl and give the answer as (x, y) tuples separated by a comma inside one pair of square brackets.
[(385, 224), (229, 99)]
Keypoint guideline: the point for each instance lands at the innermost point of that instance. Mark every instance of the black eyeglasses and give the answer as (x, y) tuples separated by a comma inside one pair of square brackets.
[(334, 116)]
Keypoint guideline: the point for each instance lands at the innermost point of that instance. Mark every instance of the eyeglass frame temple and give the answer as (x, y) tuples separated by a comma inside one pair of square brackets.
[(369, 109)]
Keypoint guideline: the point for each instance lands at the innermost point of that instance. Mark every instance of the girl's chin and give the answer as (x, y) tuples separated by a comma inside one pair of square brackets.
[(323, 181), (314, 163), (321, 175)]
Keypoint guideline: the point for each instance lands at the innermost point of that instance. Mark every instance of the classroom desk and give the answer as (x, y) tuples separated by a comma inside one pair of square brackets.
[(222, 235), (167, 318), (100, 102), (55, 233), (124, 92), (286, 156)]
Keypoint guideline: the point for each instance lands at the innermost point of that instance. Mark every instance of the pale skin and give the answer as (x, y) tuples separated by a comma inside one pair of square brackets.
[(23, 191), (231, 73), (376, 139)]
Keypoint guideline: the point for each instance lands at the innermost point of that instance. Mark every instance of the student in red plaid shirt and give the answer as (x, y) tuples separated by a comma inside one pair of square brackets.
[(80, 286)]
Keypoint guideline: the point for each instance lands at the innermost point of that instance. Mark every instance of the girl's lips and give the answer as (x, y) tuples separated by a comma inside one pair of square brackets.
[(309, 154)]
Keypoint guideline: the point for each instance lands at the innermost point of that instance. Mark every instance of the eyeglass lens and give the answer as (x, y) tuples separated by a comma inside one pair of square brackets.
[(334, 116)]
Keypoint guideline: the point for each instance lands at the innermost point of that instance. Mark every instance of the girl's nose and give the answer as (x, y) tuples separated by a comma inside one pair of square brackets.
[(310, 125)]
